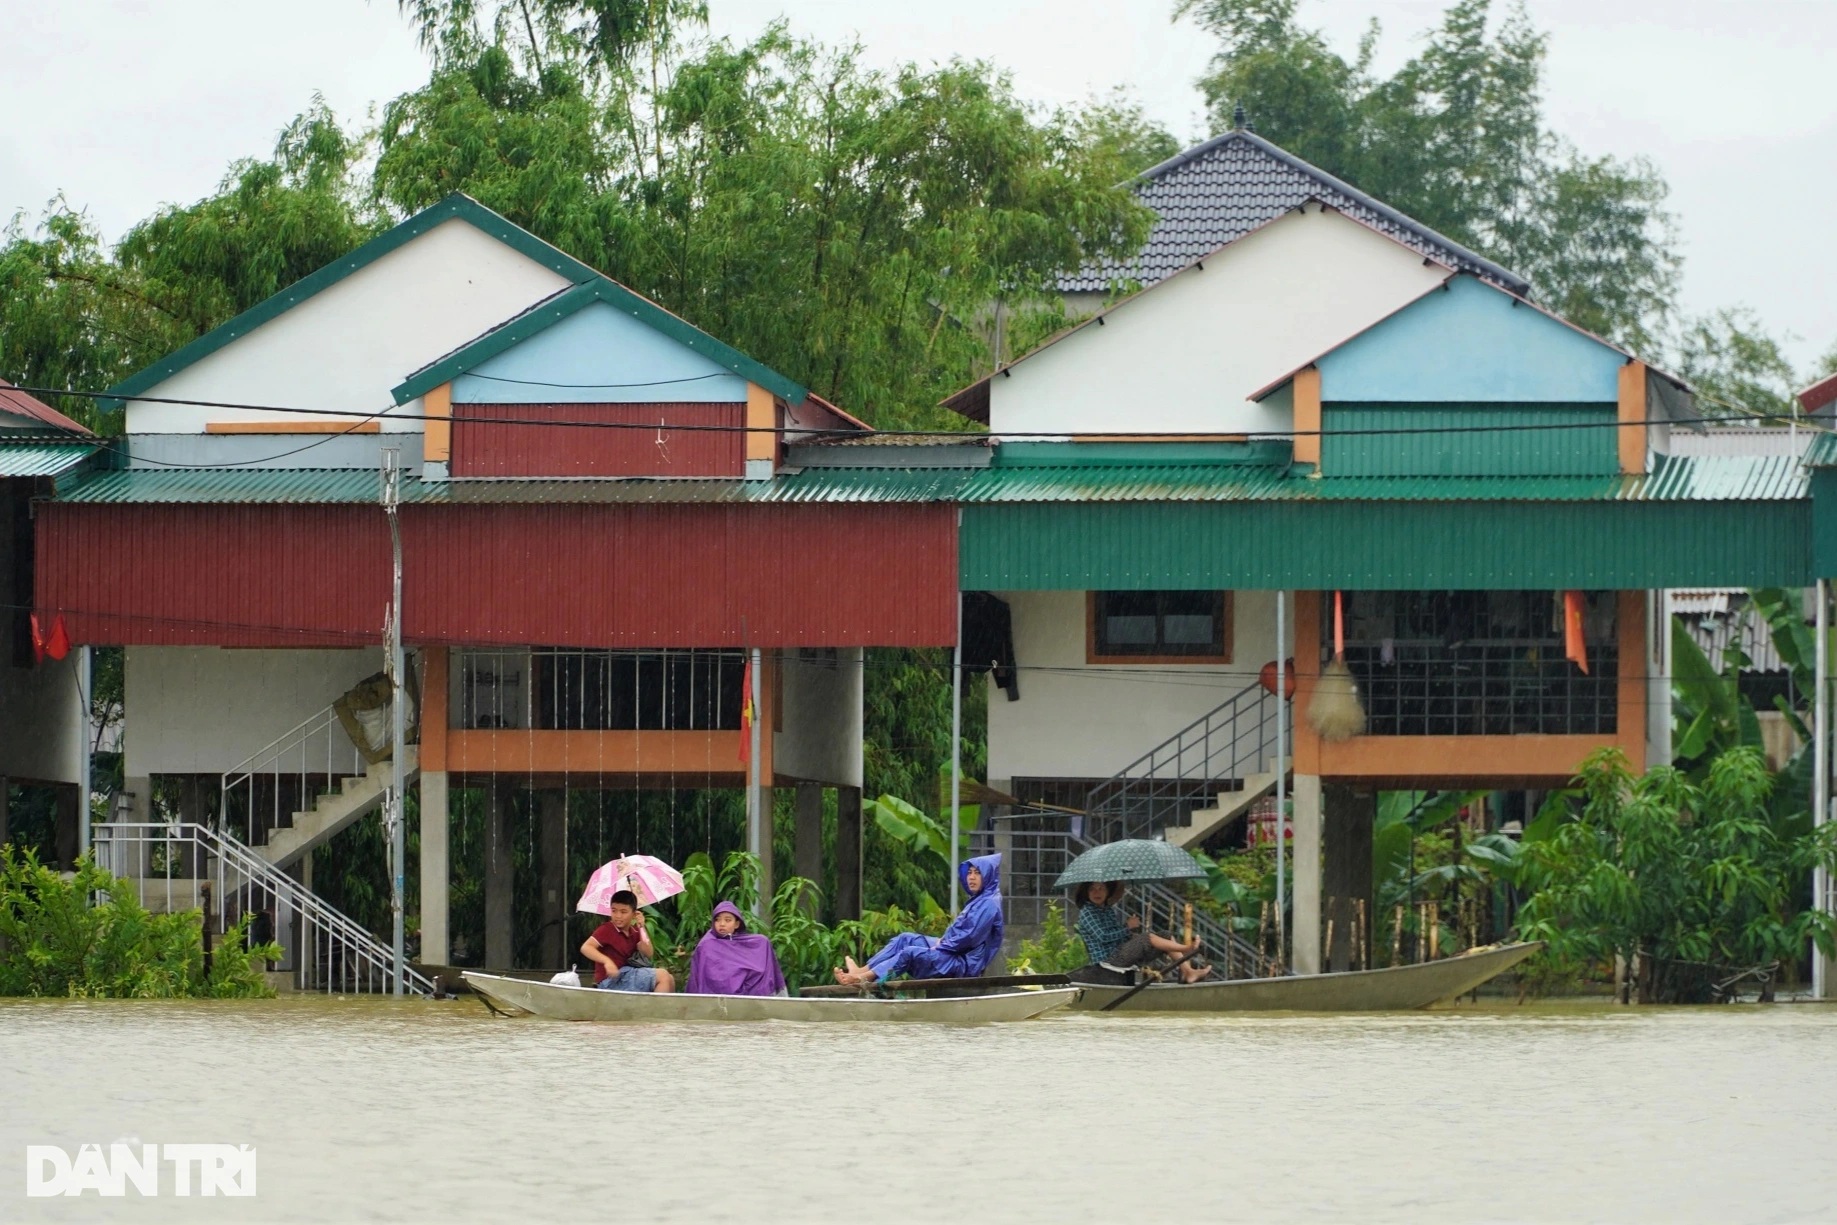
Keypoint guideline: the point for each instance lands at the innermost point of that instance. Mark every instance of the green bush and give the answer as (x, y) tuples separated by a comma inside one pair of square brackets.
[(1057, 950), (53, 942)]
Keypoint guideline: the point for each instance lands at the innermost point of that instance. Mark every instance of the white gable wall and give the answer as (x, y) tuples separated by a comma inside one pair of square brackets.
[(1184, 356), (345, 347)]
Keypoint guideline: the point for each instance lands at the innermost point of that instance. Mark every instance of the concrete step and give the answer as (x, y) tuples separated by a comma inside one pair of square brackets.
[(1229, 805), (333, 813)]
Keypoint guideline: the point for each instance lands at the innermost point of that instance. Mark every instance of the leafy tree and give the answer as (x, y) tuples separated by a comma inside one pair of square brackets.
[(1738, 370), (1689, 883), (1456, 139)]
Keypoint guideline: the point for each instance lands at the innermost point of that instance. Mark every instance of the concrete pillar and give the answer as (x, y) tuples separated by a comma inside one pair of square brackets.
[(552, 848), (848, 853), (1347, 817), (807, 859), (436, 870), (1304, 922), (500, 864)]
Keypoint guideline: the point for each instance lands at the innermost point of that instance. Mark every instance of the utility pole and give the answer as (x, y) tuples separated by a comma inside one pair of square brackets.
[(956, 753), (1281, 769), (393, 812)]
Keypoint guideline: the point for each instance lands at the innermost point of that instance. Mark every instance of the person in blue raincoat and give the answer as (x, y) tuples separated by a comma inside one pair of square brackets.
[(965, 949)]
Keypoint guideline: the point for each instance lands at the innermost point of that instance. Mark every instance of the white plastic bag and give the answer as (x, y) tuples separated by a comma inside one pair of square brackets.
[(567, 978)]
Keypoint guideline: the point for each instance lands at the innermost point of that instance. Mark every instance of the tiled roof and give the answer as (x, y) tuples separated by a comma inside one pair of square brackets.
[(1217, 192)]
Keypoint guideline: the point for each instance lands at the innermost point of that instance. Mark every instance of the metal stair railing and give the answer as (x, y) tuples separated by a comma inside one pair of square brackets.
[(212, 871), (298, 754), (1162, 786)]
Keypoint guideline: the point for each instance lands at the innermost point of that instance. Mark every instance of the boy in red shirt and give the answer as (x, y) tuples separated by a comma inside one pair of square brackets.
[(611, 946)]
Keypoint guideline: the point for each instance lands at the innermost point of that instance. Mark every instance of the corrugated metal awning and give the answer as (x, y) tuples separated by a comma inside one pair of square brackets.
[(1720, 478), (41, 458)]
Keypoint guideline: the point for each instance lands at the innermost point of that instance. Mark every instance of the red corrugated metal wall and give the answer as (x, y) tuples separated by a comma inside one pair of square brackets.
[(498, 440), (248, 576), (596, 575), (675, 575)]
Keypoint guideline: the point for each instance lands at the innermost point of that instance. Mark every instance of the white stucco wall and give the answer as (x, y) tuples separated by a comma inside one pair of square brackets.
[(821, 739), (203, 709), (1077, 720), (346, 346), (41, 722), (1184, 356)]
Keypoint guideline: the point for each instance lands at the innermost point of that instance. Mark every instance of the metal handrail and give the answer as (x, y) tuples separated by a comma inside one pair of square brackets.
[(342, 950), (287, 756), (1162, 786)]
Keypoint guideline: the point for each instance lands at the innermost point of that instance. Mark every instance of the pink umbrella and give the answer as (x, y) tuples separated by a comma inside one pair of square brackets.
[(645, 875)]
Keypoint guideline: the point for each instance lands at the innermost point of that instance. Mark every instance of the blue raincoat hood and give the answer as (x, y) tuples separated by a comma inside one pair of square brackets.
[(989, 866)]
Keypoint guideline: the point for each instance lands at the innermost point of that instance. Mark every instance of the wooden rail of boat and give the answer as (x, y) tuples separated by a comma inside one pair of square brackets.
[(1392, 989), (588, 1004), (938, 986)]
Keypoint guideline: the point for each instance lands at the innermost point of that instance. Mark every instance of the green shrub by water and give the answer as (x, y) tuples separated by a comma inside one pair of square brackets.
[(54, 942)]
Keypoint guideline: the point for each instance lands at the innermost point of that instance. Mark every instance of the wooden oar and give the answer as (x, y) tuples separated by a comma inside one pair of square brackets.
[(1130, 994)]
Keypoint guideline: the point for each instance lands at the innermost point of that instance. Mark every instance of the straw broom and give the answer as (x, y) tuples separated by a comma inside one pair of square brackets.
[(1335, 711)]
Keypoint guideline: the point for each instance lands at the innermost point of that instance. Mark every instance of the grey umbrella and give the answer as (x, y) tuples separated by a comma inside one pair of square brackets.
[(1130, 859)]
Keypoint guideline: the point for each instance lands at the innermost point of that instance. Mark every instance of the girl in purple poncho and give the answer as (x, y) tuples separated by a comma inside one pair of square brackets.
[(732, 961)]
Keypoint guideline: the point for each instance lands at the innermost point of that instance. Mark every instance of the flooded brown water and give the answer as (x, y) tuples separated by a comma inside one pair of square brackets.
[(368, 1110)]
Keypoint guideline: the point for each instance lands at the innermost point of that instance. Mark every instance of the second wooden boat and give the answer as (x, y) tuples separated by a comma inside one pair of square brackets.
[(1388, 990), (588, 1004)]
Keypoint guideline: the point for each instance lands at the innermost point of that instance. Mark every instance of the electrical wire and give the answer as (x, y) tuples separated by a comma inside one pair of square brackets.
[(959, 435)]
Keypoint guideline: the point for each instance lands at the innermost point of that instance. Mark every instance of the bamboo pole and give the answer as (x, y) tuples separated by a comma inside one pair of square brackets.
[(1363, 928), (1328, 946), (1397, 938), (1435, 931), (1187, 937)]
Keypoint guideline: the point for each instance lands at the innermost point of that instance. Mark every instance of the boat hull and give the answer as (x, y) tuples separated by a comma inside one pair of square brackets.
[(1388, 990), (588, 1004)]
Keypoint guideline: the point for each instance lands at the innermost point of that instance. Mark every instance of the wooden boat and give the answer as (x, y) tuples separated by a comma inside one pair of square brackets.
[(588, 1004), (1399, 987)]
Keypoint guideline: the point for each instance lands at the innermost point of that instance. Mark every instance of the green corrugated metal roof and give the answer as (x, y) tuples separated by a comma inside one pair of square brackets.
[(1823, 450), (1674, 479), (41, 458)]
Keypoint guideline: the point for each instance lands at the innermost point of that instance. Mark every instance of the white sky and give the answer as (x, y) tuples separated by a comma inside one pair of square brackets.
[(123, 105)]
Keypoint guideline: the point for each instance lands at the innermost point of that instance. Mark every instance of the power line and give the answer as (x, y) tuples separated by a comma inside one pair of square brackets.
[(962, 435)]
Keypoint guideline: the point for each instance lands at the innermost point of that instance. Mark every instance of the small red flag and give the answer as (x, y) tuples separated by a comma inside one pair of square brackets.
[(746, 713), (56, 644)]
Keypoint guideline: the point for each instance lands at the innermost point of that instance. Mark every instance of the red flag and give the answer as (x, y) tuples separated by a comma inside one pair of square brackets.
[(746, 713), (1575, 647), (58, 644)]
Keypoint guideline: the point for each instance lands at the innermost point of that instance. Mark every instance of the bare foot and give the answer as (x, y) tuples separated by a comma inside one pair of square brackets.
[(854, 967)]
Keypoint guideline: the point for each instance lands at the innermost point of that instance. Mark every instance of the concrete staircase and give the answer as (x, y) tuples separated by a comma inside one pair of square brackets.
[(1227, 807), (1162, 794), (358, 794)]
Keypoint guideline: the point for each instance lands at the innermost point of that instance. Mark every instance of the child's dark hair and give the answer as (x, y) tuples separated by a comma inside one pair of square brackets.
[(625, 897)]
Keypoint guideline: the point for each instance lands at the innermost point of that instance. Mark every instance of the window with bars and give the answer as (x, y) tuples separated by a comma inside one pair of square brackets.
[(1478, 663), (561, 689)]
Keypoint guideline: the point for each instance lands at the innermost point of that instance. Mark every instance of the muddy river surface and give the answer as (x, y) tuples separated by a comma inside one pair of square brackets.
[(421, 1111)]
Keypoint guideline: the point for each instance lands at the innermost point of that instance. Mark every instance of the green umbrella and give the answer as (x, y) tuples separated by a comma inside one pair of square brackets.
[(1130, 859)]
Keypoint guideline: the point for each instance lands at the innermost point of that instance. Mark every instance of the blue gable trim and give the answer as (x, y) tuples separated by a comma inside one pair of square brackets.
[(598, 355), (1471, 343)]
